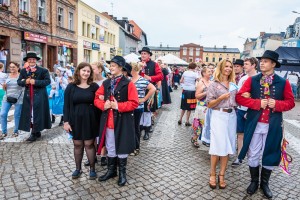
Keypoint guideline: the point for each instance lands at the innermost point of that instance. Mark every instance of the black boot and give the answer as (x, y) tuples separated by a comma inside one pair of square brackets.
[(252, 188), (38, 134), (141, 128), (32, 137), (122, 171), (61, 121), (111, 169), (264, 182), (146, 135), (103, 161), (53, 119)]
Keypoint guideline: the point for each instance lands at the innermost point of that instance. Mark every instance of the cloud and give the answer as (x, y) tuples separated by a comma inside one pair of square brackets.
[(175, 22)]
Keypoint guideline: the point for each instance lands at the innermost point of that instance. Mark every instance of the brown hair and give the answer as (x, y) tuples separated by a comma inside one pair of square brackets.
[(1, 65), (76, 76), (192, 65), (15, 63), (253, 61), (204, 69), (99, 65)]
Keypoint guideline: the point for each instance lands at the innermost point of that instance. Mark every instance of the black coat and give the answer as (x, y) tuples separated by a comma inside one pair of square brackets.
[(41, 112), (123, 122), (165, 88)]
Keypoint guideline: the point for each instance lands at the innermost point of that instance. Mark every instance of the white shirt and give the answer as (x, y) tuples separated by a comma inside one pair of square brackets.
[(3, 77), (189, 80), (2, 55), (241, 83)]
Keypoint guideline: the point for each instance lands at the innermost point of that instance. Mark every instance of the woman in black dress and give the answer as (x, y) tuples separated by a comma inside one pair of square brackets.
[(166, 97), (82, 117)]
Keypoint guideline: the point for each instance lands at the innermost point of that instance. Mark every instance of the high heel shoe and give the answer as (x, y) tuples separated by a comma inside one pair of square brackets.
[(212, 181), (222, 184)]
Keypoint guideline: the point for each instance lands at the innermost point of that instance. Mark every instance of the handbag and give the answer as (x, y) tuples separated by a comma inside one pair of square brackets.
[(13, 100), (286, 159)]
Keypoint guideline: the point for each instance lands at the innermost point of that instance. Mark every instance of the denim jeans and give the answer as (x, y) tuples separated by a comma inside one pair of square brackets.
[(294, 89), (4, 112)]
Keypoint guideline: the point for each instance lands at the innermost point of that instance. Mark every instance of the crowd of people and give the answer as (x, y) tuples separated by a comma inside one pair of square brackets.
[(234, 109)]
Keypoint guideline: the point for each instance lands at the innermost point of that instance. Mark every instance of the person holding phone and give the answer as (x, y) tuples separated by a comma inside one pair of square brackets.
[(221, 99)]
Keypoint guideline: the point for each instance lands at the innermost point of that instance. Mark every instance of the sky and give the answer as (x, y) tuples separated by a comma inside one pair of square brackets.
[(208, 23)]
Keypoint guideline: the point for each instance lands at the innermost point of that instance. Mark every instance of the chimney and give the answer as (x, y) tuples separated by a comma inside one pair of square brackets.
[(167, 46), (111, 16), (160, 45), (115, 18), (224, 47), (261, 34), (124, 18), (106, 13), (215, 46)]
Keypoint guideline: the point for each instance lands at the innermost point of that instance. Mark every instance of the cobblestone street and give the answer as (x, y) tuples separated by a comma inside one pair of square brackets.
[(168, 167)]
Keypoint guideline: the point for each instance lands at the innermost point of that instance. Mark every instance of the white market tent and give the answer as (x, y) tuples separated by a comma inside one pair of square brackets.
[(173, 60), (132, 58)]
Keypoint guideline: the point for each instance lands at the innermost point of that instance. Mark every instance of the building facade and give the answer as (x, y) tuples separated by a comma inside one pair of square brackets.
[(140, 34), (128, 42), (214, 55), (46, 27), (267, 41), (191, 52), (248, 47), (292, 35), (97, 34), (162, 51)]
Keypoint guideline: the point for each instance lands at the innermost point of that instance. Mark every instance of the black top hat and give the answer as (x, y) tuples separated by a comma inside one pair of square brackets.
[(31, 55), (146, 49), (239, 62), (119, 60), (271, 55), (128, 69)]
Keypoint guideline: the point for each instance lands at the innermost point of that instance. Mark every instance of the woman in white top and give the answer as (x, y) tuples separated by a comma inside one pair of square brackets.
[(3, 77), (188, 99)]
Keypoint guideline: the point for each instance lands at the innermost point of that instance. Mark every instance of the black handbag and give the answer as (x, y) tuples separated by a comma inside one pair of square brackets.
[(13, 100)]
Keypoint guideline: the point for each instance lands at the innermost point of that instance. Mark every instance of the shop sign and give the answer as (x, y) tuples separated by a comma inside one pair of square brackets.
[(97, 19), (87, 45), (291, 43), (96, 46), (35, 37), (66, 44)]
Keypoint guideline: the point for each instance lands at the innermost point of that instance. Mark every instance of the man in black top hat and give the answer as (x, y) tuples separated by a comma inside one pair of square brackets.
[(238, 70), (152, 72), (35, 114), (266, 95)]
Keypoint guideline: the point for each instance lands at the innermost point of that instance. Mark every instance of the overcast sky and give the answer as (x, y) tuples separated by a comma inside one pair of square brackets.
[(209, 23)]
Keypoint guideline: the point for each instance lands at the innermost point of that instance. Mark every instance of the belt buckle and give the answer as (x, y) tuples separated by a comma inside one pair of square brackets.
[(229, 110)]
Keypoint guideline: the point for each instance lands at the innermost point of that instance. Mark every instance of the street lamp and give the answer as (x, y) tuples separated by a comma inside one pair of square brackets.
[(295, 12)]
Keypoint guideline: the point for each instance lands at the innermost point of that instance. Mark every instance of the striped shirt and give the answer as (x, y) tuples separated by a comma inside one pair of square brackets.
[(141, 85), (13, 90)]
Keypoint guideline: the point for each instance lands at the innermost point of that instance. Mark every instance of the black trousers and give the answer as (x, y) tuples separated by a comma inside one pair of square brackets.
[(137, 118)]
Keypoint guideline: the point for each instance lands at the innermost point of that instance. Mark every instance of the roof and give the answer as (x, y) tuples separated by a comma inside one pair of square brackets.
[(267, 35), (137, 31), (164, 48), (221, 50)]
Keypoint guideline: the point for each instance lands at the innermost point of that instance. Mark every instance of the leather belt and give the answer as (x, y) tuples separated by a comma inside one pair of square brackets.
[(228, 110)]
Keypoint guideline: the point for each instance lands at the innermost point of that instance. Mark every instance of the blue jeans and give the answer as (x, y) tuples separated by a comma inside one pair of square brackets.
[(4, 112), (294, 89)]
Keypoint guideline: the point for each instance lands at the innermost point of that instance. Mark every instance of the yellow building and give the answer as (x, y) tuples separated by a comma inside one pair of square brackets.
[(214, 54), (98, 35)]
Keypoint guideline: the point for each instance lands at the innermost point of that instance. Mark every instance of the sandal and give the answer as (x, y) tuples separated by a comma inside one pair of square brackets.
[(212, 181), (222, 184), (196, 144)]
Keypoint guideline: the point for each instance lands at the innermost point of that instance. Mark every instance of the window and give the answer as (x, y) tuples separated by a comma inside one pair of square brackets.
[(184, 51), (83, 29), (71, 21), (41, 11), (191, 60), (5, 2), (233, 60), (220, 59), (88, 30), (24, 7), (87, 55), (93, 31), (97, 33), (60, 17), (207, 59), (191, 52), (198, 52), (214, 59)]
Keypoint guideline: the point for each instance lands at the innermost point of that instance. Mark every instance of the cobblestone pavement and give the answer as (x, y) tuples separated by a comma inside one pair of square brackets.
[(168, 167)]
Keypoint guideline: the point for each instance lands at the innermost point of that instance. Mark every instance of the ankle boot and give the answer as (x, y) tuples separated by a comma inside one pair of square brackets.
[(146, 135), (122, 162), (264, 182), (53, 119), (252, 188), (111, 169), (61, 121), (32, 137)]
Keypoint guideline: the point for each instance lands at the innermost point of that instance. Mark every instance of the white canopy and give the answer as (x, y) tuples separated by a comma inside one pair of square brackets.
[(171, 59), (131, 58)]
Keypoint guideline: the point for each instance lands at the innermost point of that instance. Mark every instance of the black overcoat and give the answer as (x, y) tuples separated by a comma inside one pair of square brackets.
[(41, 111)]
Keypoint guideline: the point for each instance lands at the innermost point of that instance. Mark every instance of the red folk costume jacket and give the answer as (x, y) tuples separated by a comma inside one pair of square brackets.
[(281, 91), (122, 119)]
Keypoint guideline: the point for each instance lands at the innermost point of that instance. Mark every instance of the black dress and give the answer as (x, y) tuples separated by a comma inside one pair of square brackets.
[(165, 88), (80, 112)]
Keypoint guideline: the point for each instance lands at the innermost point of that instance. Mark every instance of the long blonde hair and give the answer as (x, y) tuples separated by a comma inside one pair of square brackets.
[(219, 69)]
